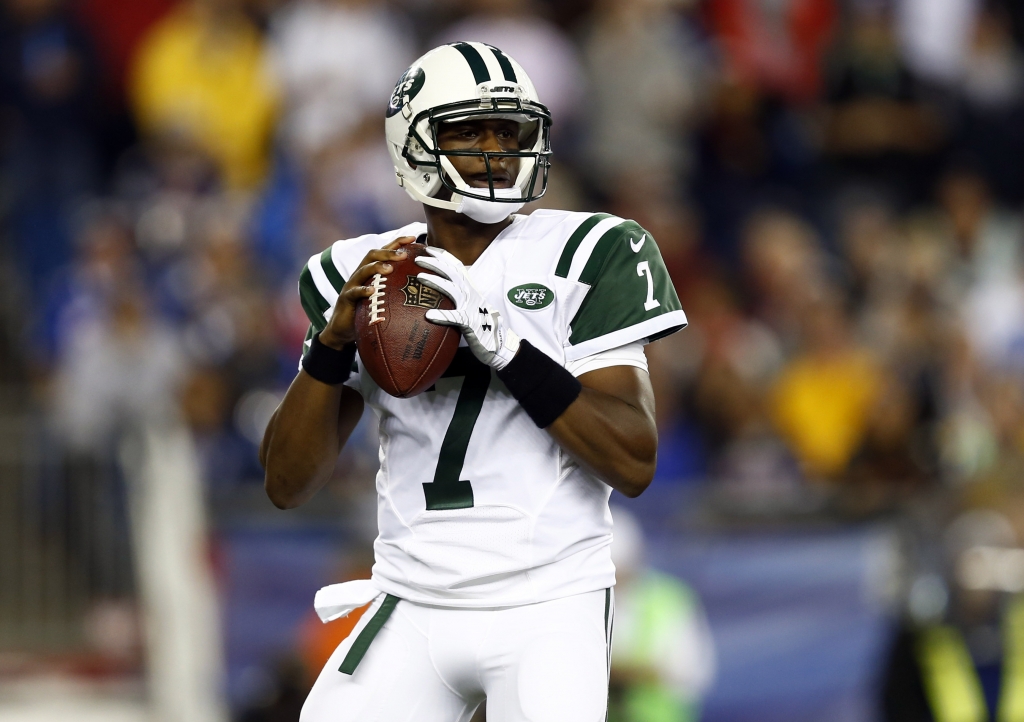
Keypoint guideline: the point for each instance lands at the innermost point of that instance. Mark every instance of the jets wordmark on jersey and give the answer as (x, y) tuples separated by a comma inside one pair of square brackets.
[(477, 507)]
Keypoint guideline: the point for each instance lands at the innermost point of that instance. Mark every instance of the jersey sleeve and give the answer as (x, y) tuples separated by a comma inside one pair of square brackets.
[(632, 354), (630, 295), (319, 285)]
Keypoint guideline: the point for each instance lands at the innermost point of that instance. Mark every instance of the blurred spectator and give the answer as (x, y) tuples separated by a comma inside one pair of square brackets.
[(117, 28), (753, 151), (351, 187), (336, 61), (663, 656), (1003, 398), (48, 113), (988, 278), (986, 238), (741, 357), (877, 127), (958, 651), (994, 67), (82, 291), (775, 47), (119, 370), (784, 268), (518, 28), (891, 462), (201, 73), (648, 82), (993, 103), (935, 34), (823, 398)]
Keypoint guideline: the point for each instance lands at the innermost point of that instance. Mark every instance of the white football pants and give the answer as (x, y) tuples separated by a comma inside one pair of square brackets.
[(545, 662)]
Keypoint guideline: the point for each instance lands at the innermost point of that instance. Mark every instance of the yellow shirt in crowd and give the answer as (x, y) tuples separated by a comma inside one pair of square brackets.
[(821, 406), (207, 79)]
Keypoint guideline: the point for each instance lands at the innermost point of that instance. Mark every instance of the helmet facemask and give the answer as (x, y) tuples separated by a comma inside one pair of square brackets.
[(534, 121)]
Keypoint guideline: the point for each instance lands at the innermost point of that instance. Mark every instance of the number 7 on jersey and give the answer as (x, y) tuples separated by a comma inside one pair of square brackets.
[(448, 491)]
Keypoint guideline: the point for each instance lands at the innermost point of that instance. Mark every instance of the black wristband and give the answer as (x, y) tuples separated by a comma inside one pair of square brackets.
[(541, 386), (329, 365)]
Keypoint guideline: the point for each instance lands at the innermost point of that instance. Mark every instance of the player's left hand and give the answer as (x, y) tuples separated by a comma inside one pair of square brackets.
[(491, 341)]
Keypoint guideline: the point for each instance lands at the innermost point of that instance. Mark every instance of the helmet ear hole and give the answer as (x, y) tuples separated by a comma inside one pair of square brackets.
[(432, 181)]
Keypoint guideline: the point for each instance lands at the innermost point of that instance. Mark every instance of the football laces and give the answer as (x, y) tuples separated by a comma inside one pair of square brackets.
[(377, 298)]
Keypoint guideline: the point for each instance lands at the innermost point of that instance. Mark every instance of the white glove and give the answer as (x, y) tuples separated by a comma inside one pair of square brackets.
[(485, 332)]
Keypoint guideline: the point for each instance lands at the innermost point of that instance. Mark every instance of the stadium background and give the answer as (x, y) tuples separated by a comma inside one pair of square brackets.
[(835, 185)]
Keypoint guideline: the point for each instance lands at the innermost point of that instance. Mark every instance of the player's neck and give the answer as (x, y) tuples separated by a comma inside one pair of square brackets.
[(459, 234)]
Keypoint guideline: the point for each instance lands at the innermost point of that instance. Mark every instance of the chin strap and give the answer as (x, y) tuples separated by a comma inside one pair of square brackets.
[(484, 211), (453, 205)]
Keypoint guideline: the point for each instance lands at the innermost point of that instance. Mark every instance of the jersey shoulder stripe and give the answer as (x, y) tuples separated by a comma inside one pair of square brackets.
[(319, 285), (331, 270), (572, 247), (603, 247), (321, 281), (313, 303)]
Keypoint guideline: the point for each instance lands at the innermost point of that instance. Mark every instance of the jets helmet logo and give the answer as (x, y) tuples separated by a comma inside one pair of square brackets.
[(408, 86)]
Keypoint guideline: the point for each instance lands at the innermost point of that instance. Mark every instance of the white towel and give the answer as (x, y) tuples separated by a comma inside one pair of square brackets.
[(337, 600)]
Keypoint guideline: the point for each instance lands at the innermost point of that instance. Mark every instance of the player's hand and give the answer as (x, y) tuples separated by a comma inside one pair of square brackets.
[(341, 328), (490, 340)]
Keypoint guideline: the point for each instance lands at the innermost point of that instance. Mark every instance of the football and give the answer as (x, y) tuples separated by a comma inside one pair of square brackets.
[(401, 350)]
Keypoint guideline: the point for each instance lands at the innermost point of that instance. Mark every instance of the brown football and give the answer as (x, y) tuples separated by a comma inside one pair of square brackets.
[(401, 350)]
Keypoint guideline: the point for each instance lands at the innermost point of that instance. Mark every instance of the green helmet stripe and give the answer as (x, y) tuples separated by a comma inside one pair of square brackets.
[(506, 67), (476, 62)]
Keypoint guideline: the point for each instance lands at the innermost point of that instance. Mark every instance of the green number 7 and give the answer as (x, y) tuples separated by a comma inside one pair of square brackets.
[(448, 491)]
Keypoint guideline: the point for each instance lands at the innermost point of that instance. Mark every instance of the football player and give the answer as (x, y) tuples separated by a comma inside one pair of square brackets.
[(493, 574)]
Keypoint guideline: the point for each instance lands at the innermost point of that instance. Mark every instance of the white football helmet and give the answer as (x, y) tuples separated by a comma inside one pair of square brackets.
[(456, 82)]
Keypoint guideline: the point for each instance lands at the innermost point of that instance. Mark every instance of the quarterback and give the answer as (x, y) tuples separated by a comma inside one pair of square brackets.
[(493, 575)]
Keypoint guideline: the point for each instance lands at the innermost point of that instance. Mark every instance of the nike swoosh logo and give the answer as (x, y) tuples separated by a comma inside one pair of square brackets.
[(637, 245)]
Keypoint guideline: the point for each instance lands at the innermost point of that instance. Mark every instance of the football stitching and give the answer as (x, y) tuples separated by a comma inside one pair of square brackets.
[(377, 299)]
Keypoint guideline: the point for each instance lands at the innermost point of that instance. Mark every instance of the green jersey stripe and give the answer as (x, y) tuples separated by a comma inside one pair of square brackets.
[(313, 303), (319, 276), (588, 244), (476, 62), (604, 246), (565, 260), (607, 609), (331, 270), (358, 649)]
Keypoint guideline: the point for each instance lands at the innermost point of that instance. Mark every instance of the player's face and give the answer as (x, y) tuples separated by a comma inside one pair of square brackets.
[(492, 135)]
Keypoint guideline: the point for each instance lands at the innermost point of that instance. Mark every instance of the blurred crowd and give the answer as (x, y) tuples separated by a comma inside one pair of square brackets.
[(836, 187)]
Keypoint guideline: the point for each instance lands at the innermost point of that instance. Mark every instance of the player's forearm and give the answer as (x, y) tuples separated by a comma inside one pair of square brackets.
[(301, 443), (612, 438)]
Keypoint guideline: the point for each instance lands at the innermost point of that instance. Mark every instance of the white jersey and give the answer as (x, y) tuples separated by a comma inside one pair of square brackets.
[(477, 507)]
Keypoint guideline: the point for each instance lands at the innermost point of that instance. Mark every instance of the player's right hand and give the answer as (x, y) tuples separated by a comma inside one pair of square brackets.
[(341, 328)]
